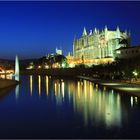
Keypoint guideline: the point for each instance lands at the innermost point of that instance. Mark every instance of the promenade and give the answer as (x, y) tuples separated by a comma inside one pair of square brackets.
[(123, 86)]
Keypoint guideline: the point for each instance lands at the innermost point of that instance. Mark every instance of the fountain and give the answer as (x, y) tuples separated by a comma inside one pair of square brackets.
[(16, 68)]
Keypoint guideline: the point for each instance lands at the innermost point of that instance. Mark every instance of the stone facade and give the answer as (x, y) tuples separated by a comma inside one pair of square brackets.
[(100, 44)]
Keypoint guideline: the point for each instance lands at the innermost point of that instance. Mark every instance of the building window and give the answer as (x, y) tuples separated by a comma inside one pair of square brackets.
[(118, 52)]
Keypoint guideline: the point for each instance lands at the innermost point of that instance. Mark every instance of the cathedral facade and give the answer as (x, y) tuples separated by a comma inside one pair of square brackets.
[(99, 44)]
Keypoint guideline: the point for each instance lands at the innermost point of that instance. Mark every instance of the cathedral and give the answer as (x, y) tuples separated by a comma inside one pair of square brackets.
[(99, 44)]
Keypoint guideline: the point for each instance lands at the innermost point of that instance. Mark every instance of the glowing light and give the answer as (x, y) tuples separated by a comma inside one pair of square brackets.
[(118, 52), (30, 67), (135, 73), (63, 65), (46, 66)]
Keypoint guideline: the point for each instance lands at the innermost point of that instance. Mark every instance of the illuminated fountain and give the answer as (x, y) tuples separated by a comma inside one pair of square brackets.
[(16, 68), (17, 76)]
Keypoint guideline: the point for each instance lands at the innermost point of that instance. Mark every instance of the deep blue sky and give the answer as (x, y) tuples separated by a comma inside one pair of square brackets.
[(33, 29)]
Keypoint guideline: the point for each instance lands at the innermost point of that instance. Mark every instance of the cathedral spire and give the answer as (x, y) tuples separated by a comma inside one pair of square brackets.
[(84, 32), (95, 30), (74, 41), (126, 32), (118, 32), (74, 37), (118, 29), (106, 28), (90, 32), (129, 33)]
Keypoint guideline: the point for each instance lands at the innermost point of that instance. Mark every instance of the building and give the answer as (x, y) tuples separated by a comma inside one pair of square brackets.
[(92, 46), (58, 51), (127, 52)]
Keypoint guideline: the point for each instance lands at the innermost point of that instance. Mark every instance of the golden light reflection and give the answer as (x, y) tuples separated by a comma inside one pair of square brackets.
[(31, 84), (96, 106), (47, 85), (104, 88), (136, 100), (96, 87), (131, 100), (55, 89), (78, 89), (62, 88), (59, 91), (39, 85)]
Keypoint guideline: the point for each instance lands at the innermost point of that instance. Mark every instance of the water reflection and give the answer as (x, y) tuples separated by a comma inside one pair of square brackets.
[(47, 85), (17, 92), (62, 88), (97, 106), (39, 85), (59, 91), (5, 92), (131, 101), (31, 84), (17, 77)]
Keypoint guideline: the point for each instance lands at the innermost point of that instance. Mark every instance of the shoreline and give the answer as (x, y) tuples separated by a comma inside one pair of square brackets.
[(5, 83), (124, 87)]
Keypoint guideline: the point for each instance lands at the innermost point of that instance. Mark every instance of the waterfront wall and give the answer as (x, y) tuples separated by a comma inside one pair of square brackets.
[(4, 83), (60, 72)]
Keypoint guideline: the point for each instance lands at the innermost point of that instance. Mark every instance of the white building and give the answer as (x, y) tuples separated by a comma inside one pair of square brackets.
[(99, 44)]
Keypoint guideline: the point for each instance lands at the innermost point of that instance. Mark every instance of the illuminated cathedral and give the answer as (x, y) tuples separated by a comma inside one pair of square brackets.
[(99, 45)]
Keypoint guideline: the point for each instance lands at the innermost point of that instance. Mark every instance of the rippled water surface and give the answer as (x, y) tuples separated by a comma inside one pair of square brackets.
[(47, 107)]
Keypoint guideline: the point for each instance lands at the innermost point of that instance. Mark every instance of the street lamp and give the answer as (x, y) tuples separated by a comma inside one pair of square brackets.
[(135, 74)]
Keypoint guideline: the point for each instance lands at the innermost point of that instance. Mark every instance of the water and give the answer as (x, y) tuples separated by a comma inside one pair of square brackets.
[(47, 107)]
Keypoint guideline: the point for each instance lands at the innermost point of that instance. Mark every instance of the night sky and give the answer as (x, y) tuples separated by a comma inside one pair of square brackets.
[(33, 29)]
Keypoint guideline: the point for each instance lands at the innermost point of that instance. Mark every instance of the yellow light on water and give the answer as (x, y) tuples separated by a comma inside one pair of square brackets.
[(63, 89), (55, 89), (39, 85), (31, 84), (131, 100), (47, 85)]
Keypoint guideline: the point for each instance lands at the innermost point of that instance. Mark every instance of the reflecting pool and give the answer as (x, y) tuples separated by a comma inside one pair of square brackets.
[(49, 107)]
